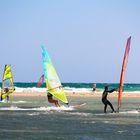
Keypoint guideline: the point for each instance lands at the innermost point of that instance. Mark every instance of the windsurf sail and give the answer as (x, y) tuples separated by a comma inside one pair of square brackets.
[(7, 82), (41, 80), (53, 83), (126, 54)]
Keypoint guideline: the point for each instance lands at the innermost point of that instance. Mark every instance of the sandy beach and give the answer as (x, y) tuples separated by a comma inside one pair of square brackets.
[(79, 94)]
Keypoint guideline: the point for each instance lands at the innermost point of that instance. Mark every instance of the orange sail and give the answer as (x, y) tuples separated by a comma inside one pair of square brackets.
[(123, 70)]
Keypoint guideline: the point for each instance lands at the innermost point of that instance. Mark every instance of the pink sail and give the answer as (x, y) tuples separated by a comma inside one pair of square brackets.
[(126, 54), (40, 81)]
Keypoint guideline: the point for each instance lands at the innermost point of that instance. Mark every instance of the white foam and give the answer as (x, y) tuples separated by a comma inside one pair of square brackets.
[(122, 131), (4, 101), (72, 90), (130, 112), (57, 108), (33, 89), (80, 114), (15, 108), (34, 114), (19, 102), (66, 89), (106, 121)]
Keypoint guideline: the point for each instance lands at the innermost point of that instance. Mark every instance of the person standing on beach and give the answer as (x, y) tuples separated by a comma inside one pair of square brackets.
[(94, 87), (104, 99), (51, 100)]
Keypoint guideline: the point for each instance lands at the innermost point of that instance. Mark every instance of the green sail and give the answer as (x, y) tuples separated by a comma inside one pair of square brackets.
[(53, 83)]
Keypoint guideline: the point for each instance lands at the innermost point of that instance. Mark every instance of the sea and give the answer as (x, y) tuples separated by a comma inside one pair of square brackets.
[(75, 87), (33, 118)]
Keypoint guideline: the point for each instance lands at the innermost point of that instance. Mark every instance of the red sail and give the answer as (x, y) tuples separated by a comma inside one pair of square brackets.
[(123, 70), (41, 80)]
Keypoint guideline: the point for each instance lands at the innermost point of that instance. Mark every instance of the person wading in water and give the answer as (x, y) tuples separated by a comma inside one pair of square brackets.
[(104, 99)]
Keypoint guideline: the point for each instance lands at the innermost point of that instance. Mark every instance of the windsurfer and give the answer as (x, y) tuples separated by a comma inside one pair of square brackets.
[(51, 100), (7, 91), (104, 99)]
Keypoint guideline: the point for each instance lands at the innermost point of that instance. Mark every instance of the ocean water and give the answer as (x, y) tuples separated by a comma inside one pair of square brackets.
[(32, 118), (75, 87)]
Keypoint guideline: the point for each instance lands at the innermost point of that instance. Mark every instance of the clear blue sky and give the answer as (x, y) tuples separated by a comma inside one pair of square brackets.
[(84, 38)]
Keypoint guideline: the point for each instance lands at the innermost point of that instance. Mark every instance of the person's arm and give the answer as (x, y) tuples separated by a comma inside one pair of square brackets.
[(110, 91), (11, 90)]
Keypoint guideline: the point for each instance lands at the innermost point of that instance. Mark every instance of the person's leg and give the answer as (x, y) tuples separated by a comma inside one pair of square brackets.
[(7, 98), (56, 103), (51, 101), (105, 103), (111, 106), (105, 107)]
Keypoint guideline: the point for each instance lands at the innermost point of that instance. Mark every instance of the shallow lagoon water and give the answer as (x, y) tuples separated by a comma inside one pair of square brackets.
[(32, 118)]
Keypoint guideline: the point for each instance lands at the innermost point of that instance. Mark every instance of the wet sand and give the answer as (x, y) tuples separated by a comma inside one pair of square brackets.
[(79, 94)]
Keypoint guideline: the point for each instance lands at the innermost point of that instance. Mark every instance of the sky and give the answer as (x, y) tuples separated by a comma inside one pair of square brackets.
[(85, 39)]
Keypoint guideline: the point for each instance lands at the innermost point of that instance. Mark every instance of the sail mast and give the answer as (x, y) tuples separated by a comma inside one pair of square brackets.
[(126, 54)]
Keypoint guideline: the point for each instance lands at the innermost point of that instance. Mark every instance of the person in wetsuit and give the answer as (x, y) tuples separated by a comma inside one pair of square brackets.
[(104, 99), (51, 100)]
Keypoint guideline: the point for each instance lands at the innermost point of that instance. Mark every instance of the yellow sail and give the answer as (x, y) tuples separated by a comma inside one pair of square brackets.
[(53, 83), (7, 82)]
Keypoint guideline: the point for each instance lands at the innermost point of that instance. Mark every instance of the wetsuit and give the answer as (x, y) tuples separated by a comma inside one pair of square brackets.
[(105, 101)]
